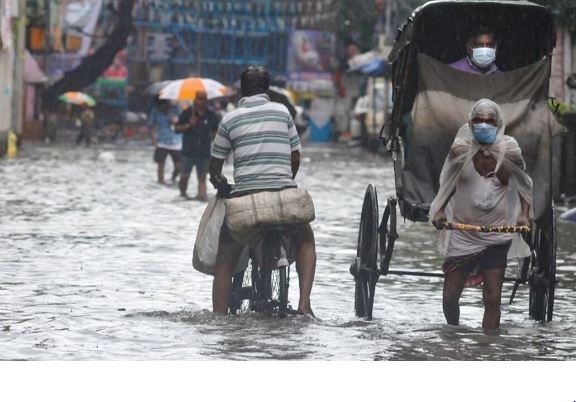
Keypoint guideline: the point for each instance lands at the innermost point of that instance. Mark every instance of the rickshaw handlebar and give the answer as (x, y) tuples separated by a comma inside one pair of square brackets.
[(484, 229)]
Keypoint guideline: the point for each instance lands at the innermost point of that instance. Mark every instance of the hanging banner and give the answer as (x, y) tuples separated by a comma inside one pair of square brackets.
[(79, 21), (310, 60)]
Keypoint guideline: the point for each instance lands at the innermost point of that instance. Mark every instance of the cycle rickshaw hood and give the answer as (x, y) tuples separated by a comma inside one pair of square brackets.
[(432, 100)]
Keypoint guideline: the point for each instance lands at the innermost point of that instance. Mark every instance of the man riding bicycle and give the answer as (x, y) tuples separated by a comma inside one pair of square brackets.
[(264, 142)]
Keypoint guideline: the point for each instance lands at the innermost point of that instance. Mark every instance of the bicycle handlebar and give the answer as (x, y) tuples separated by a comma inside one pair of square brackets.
[(484, 229)]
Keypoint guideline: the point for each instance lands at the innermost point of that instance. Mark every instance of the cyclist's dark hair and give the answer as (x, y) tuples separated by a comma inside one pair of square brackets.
[(254, 80)]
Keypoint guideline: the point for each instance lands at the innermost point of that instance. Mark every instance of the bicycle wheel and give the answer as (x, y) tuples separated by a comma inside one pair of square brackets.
[(235, 297), (275, 285), (268, 286), (282, 291), (365, 266), (272, 290), (542, 280), (257, 288), (242, 292)]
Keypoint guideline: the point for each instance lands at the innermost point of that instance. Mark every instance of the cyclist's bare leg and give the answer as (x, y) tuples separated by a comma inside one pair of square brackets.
[(228, 253), (306, 267)]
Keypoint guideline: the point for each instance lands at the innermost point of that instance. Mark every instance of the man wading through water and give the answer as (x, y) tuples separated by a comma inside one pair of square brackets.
[(165, 140), (263, 140), (483, 182), (197, 124)]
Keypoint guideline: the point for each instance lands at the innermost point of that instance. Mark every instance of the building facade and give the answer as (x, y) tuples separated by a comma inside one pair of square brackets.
[(218, 38), (12, 34)]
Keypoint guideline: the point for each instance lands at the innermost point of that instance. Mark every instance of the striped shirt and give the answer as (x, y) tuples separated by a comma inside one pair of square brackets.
[(261, 136)]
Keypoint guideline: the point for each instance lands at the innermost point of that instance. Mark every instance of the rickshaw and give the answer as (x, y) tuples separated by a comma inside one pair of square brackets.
[(427, 93)]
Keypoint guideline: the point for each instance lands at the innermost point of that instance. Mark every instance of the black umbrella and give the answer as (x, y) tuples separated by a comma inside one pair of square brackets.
[(277, 95)]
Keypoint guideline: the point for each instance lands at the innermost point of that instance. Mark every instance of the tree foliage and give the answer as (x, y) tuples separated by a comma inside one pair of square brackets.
[(563, 10), (356, 18), (406, 8)]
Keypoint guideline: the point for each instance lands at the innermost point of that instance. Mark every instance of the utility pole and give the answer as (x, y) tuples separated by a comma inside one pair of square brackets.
[(6, 72), (47, 47), (19, 57)]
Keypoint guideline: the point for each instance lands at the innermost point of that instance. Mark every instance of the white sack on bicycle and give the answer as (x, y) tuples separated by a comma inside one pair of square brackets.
[(206, 245), (506, 152), (244, 215)]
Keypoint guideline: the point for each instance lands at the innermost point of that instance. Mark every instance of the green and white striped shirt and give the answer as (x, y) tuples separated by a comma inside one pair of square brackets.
[(262, 136)]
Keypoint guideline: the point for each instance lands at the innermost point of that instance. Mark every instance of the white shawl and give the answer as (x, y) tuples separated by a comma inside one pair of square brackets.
[(508, 155)]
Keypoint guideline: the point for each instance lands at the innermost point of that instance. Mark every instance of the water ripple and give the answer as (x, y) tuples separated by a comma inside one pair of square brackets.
[(95, 264)]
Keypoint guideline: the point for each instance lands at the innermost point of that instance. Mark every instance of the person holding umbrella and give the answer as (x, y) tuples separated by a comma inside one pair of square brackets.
[(87, 116), (198, 125), (87, 120)]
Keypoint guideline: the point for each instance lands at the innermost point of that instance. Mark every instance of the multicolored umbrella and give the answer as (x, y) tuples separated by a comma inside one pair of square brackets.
[(187, 89), (77, 98), (155, 88)]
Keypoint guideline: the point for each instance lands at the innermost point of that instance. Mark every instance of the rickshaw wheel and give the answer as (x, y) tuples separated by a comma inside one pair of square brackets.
[(543, 276), (365, 267)]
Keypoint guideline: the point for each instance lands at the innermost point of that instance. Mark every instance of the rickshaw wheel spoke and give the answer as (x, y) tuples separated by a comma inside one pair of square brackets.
[(365, 266), (543, 276)]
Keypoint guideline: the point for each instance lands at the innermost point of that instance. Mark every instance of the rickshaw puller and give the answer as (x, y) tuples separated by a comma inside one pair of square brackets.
[(483, 182)]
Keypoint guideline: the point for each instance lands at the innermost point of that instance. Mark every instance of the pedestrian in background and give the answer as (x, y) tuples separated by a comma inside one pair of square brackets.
[(165, 140), (198, 125), (87, 120)]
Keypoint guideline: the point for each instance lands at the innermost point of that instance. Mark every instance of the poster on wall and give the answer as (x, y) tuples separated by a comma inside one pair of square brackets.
[(310, 60)]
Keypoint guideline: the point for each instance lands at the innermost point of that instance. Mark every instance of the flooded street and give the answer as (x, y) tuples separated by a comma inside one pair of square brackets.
[(95, 264)]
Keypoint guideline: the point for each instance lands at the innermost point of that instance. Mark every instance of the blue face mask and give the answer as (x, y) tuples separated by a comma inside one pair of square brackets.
[(484, 133), (483, 56)]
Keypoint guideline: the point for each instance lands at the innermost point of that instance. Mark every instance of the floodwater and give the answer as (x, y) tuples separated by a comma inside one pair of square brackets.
[(95, 264)]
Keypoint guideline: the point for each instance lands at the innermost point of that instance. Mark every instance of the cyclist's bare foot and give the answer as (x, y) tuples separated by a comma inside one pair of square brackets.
[(305, 311)]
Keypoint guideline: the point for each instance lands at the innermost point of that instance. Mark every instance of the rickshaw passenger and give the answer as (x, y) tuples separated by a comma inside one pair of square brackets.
[(483, 182), (481, 54)]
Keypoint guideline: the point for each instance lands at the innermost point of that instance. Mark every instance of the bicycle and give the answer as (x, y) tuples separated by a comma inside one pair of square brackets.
[(263, 286)]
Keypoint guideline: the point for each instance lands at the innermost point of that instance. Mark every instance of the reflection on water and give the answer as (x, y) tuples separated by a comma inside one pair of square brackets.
[(95, 263)]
